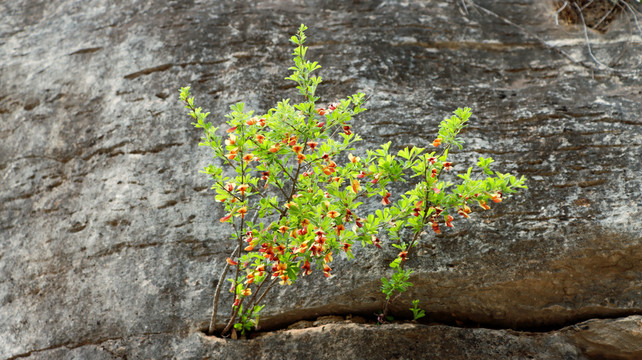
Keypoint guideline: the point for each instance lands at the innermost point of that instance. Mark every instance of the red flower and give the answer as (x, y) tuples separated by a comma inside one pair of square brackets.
[(226, 218), (232, 129), (231, 262), (340, 228), (320, 124), (312, 144), (346, 247), (386, 199), (300, 157), (417, 208), (252, 121), (403, 255), (435, 228), (248, 157), (266, 175), (361, 175), (236, 302), (449, 220), (346, 130), (242, 211), (262, 121), (496, 197), (432, 160), (437, 142), (448, 166), (376, 241), (484, 205), (326, 270), (306, 268), (433, 173), (260, 138), (297, 148)]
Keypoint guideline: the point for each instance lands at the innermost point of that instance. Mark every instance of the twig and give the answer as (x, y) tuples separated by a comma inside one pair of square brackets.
[(560, 51)]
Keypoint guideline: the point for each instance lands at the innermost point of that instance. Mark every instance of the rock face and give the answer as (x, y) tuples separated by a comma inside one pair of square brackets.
[(109, 244)]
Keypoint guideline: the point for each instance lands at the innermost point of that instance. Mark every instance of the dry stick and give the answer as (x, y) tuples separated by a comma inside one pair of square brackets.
[(557, 13), (605, 16), (560, 51), (588, 43)]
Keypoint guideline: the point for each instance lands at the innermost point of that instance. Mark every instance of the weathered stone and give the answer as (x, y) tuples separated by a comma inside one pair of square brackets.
[(109, 239)]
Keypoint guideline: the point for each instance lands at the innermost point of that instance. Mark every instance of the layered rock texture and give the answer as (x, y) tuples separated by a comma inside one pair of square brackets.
[(109, 238)]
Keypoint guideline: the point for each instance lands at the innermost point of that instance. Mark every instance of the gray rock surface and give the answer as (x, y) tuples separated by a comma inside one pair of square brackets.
[(109, 239)]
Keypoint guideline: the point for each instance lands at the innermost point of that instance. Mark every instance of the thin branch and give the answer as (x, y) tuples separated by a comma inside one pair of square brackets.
[(217, 293)]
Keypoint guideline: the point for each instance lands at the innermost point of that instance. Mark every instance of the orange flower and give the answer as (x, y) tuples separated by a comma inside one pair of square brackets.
[(262, 121), (321, 111), (246, 292), (242, 188), (249, 247), (248, 157), (346, 130), (336, 179), (340, 228), (252, 121), (333, 214), (437, 142), (230, 156), (300, 157), (356, 187), (449, 220), (353, 159), (297, 148), (250, 278), (226, 218), (231, 140), (231, 262), (242, 211), (484, 205), (275, 148), (328, 170), (496, 197), (283, 229), (231, 130), (312, 144), (260, 138)]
